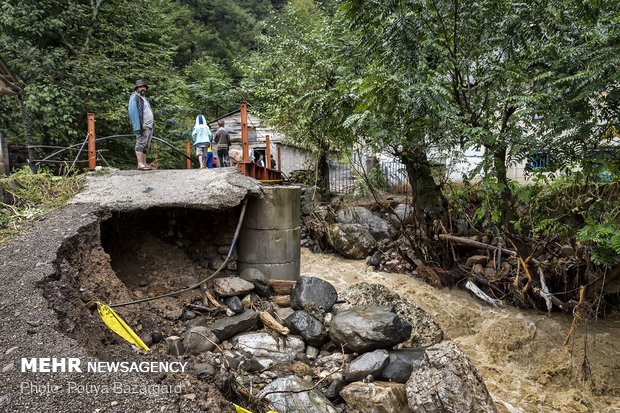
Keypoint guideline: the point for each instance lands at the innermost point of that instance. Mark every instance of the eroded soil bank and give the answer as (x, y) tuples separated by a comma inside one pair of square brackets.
[(518, 353)]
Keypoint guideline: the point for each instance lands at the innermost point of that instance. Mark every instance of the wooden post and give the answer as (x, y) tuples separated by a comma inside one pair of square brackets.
[(279, 159), (188, 152), (267, 152), (244, 131), (92, 159)]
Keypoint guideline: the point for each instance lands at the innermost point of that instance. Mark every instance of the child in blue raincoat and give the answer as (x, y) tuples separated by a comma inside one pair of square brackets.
[(201, 138)]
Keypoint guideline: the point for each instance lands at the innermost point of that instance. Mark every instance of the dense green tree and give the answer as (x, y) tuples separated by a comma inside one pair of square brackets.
[(299, 79)]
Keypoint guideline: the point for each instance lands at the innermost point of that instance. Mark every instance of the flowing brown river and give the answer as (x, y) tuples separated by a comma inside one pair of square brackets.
[(518, 353)]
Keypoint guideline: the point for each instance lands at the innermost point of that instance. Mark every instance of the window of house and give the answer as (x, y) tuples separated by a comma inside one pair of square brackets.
[(539, 161)]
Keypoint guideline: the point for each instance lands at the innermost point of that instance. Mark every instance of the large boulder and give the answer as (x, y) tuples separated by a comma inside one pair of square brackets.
[(376, 397), (425, 331), (284, 395), (313, 295), (376, 226), (351, 240), (446, 381), (362, 329), (402, 213)]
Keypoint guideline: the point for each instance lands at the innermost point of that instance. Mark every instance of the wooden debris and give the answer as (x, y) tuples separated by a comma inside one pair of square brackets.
[(281, 287), (480, 294), (476, 244), (272, 323), (211, 299), (282, 300)]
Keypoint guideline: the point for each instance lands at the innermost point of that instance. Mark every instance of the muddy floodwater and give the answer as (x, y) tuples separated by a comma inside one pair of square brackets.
[(519, 353)]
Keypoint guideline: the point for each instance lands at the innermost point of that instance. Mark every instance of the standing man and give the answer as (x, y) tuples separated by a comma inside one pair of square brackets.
[(142, 121), (222, 138)]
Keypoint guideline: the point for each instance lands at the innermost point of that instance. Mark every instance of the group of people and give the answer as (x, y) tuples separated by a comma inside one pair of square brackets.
[(203, 141), (142, 122)]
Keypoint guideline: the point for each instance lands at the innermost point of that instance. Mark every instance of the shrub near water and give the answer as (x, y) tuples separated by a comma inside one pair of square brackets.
[(27, 195)]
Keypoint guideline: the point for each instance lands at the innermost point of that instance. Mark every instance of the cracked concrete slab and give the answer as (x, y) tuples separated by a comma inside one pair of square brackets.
[(209, 189)]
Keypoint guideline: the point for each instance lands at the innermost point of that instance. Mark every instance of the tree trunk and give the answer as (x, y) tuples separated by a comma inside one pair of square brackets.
[(323, 180), (427, 199), (499, 164)]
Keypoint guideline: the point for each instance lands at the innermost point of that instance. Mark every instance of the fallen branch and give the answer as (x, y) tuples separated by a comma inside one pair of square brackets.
[(480, 294), (476, 244), (272, 323)]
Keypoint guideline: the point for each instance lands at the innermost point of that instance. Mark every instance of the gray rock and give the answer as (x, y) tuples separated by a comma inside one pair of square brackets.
[(175, 346), (225, 328), (216, 263), (312, 352), (188, 315), (362, 329), (351, 240), (232, 265), (267, 348), (332, 362), (446, 381), (376, 226), (374, 260), (302, 402), (313, 295), (234, 303), (282, 313), (229, 286), (332, 392), (402, 212), (371, 363), (567, 251), (198, 340), (400, 364), (378, 397), (204, 370), (425, 331), (303, 324)]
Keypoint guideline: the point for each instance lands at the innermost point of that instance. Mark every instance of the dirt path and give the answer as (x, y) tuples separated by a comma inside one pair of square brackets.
[(518, 353)]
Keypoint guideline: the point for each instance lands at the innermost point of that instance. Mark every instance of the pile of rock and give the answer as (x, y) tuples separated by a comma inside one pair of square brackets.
[(372, 352)]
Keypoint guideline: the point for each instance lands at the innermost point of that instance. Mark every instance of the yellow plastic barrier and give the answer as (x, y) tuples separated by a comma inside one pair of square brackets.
[(240, 409), (116, 324)]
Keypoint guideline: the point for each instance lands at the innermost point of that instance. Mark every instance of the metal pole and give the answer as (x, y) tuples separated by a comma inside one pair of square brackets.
[(267, 152), (92, 157), (279, 159), (244, 131), (188, 153)]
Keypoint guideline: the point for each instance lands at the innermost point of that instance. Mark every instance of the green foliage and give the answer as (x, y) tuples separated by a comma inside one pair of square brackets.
[(605, 241), (32, 195)]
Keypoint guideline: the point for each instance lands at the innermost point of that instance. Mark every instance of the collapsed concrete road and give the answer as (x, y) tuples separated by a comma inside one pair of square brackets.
[(45, 316)]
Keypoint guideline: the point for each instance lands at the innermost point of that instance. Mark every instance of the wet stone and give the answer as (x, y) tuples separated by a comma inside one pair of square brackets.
[(199, 340), (265, 346), (225, 328), (234, 303), (379, 397), (308, 327), (332, 392), (362, 329), (374, 260), (400, 364), (351, 240), (313, 294), (204, 370), (230, 286), (371, 363), (284, 395)]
